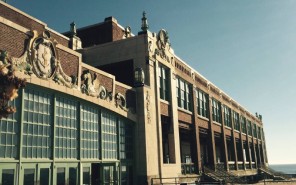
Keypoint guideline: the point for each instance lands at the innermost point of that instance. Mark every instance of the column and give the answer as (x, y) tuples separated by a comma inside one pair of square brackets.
[(233, 139), (224, 139), (212, 156), (241, 139), (248, 144), (195, 121)]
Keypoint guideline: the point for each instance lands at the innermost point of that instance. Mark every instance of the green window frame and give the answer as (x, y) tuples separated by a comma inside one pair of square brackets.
[(216, 108), (66, 128), (243, 123), (109, 135), (37, 124), (183, 94), (163, 80), (236, 121), (227, 116), (90, 146), (9, 133), (202, 103), (255, 130), (249, 128), (125, 140)]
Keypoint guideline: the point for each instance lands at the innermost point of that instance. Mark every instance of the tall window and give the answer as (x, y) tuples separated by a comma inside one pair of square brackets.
[(183, 94), (109, 136), (202, 103), (89, 132), (243, 123), (255, 130), (227, 116), (259, 133), (163, 80), (37, 125), (66, 129), (9, 134), (249, 128), (125, 140), (236, 121), (216, 107)]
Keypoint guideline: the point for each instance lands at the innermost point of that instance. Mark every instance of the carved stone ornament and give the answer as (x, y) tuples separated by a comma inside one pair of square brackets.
[(163, 44), (40, 58), (148, 107), (120, 101), (44, 58), (92, 87)]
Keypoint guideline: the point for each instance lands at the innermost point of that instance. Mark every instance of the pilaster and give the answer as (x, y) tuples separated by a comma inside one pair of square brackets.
[(233, 139), (196, 129), (224, 139), (212, 157)]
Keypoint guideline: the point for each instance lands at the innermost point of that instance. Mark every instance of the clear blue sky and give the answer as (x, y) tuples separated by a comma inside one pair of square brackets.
[(246, 47)]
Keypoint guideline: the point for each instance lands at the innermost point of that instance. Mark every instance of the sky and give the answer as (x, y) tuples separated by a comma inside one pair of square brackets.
[(247, 48)]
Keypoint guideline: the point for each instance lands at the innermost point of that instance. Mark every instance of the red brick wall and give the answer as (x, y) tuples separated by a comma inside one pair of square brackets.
[(203, 123), (130, 95), (164, 109), (182, 116), (12, 40), (217, 128), (69, 62), (117, 32), (28, 23)]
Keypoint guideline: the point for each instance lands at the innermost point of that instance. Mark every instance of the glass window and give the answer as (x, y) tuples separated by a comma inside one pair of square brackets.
[(163, 79), (86, 176), (8, 177), (109, 135), (66, 123), (125, 139), (29, 176), (202, 103), (227, 117), (61, 176), (255, 130), (183, 94), (72, 176), (37, 124), (249, 128), (89, 132), (243, 123), (44, 176), (216, 110), (9, 133), (236, 121)]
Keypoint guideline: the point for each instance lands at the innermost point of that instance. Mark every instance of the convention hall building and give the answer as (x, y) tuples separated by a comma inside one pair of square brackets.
[(105, 106)]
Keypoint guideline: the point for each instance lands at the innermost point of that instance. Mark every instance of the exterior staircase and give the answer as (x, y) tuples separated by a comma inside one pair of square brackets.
[(222, 176), (272, 174)]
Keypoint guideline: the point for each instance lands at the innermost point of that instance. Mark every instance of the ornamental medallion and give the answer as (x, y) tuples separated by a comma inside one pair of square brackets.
[(44, 56)]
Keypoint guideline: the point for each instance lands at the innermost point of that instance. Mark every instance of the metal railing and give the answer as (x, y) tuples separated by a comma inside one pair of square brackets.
[(175, 180), (188, 168)]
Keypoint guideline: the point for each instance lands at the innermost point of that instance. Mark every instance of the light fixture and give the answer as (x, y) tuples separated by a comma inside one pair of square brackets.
[(139, 77)]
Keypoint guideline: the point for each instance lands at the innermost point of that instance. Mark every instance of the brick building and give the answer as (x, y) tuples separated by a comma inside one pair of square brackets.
[(84, 118)]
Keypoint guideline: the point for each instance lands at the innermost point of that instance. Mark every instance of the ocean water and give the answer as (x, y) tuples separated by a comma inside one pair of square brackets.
[(284, 168)]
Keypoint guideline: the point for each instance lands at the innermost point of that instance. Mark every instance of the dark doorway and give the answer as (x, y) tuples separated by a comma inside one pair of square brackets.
[(95, 176)]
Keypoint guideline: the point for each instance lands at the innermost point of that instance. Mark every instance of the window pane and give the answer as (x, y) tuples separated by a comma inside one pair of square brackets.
[(86, 176), (61, 176), (72, 176), (29, 176), (44, 176), (8, 177)]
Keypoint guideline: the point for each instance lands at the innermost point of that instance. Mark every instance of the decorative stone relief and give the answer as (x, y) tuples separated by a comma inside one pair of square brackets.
[(40, 58), (92, 87), (163, 44), (127, 32), (120, 101), (148, 107)]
